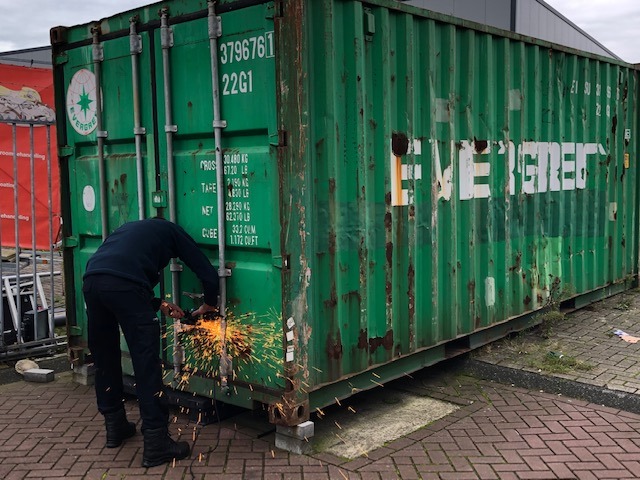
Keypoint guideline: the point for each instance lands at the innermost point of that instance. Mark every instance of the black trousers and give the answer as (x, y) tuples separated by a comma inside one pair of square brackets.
[(113, 302)]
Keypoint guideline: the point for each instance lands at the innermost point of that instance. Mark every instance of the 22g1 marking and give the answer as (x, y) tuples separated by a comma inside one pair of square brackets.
[(237, 83)]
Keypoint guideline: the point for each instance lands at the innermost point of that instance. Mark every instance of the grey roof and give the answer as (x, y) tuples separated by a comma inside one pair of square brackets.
[(31, 57)]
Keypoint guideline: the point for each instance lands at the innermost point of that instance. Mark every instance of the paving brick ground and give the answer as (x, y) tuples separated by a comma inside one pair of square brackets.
[(587, 335), (499, 432)]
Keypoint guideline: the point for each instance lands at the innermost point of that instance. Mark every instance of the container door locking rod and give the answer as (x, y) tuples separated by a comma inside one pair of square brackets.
[(166, 37), (215, 31), (135, 44), (98, 57)]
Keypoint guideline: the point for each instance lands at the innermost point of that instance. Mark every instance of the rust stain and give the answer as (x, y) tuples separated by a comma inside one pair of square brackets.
[(518, 263), (389, 253), (353, 293), (332, 185), (399, 144), (410, 293), (332, 242), (362, 339), (387, 221), (471, 286), (293, 408), (386, 342), (527, 300), (363, 254), (334, 347), (121, 156), (333, 299), (480, 145)]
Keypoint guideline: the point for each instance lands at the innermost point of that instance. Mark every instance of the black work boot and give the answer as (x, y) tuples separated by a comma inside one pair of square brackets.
[(118, 428), (160, 448)]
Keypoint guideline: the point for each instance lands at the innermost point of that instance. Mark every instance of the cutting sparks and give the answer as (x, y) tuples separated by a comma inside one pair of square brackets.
[(248, 339)]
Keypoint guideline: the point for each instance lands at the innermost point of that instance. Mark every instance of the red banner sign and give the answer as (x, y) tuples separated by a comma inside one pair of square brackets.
[(26, 95)]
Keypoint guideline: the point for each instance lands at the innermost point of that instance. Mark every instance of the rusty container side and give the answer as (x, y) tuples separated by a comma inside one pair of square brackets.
[(448, 178)]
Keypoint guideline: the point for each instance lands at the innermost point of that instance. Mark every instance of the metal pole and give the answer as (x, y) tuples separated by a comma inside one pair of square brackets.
[(135, 43), (166, 35), (33, 221), (215, 31), (50, 205), (17, 323), (101, 134)]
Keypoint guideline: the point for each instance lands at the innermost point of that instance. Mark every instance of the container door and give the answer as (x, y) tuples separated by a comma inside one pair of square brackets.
[(247, 95), (89, 211), (175, 129)]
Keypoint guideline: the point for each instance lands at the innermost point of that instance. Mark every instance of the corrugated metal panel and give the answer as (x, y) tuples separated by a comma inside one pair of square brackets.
[(458, 179), (411, 180)]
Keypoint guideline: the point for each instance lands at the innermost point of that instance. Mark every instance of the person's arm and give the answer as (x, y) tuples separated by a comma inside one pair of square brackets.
[(189, 252), (204, 308)]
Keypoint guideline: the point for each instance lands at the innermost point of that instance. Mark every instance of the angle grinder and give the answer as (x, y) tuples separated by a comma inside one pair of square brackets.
[(191, 319)]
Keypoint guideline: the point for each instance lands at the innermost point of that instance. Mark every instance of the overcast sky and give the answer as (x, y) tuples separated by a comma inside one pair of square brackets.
[(26, 23), (615, 24)]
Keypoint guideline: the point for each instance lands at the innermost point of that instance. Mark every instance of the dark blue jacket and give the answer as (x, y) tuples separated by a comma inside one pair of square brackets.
[(138, 251)]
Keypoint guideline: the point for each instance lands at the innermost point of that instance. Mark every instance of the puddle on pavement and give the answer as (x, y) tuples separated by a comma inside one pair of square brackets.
[(372, 419)]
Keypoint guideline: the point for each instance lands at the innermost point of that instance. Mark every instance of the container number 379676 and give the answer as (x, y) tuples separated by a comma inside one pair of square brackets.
[(238, 51)]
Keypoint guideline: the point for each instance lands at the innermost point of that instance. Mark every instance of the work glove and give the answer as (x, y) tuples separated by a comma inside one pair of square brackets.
[(205, 311)]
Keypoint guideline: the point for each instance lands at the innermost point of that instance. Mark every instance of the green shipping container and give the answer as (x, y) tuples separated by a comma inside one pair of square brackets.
[(389, 186)]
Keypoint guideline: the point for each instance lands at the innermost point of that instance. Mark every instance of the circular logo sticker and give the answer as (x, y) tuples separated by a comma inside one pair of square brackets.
[(81, 102)]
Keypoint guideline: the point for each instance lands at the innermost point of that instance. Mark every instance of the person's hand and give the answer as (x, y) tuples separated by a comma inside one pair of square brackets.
[(171, 310), (204, 308)]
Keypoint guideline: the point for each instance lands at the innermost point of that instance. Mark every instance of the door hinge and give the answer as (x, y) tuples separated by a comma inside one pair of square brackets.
[(60, 59), (69, 242), (75, 331), (369, 24), (281, 262), (65, 151)]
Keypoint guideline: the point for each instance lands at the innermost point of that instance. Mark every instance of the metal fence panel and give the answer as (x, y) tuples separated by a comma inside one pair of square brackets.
[(30, 266)]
